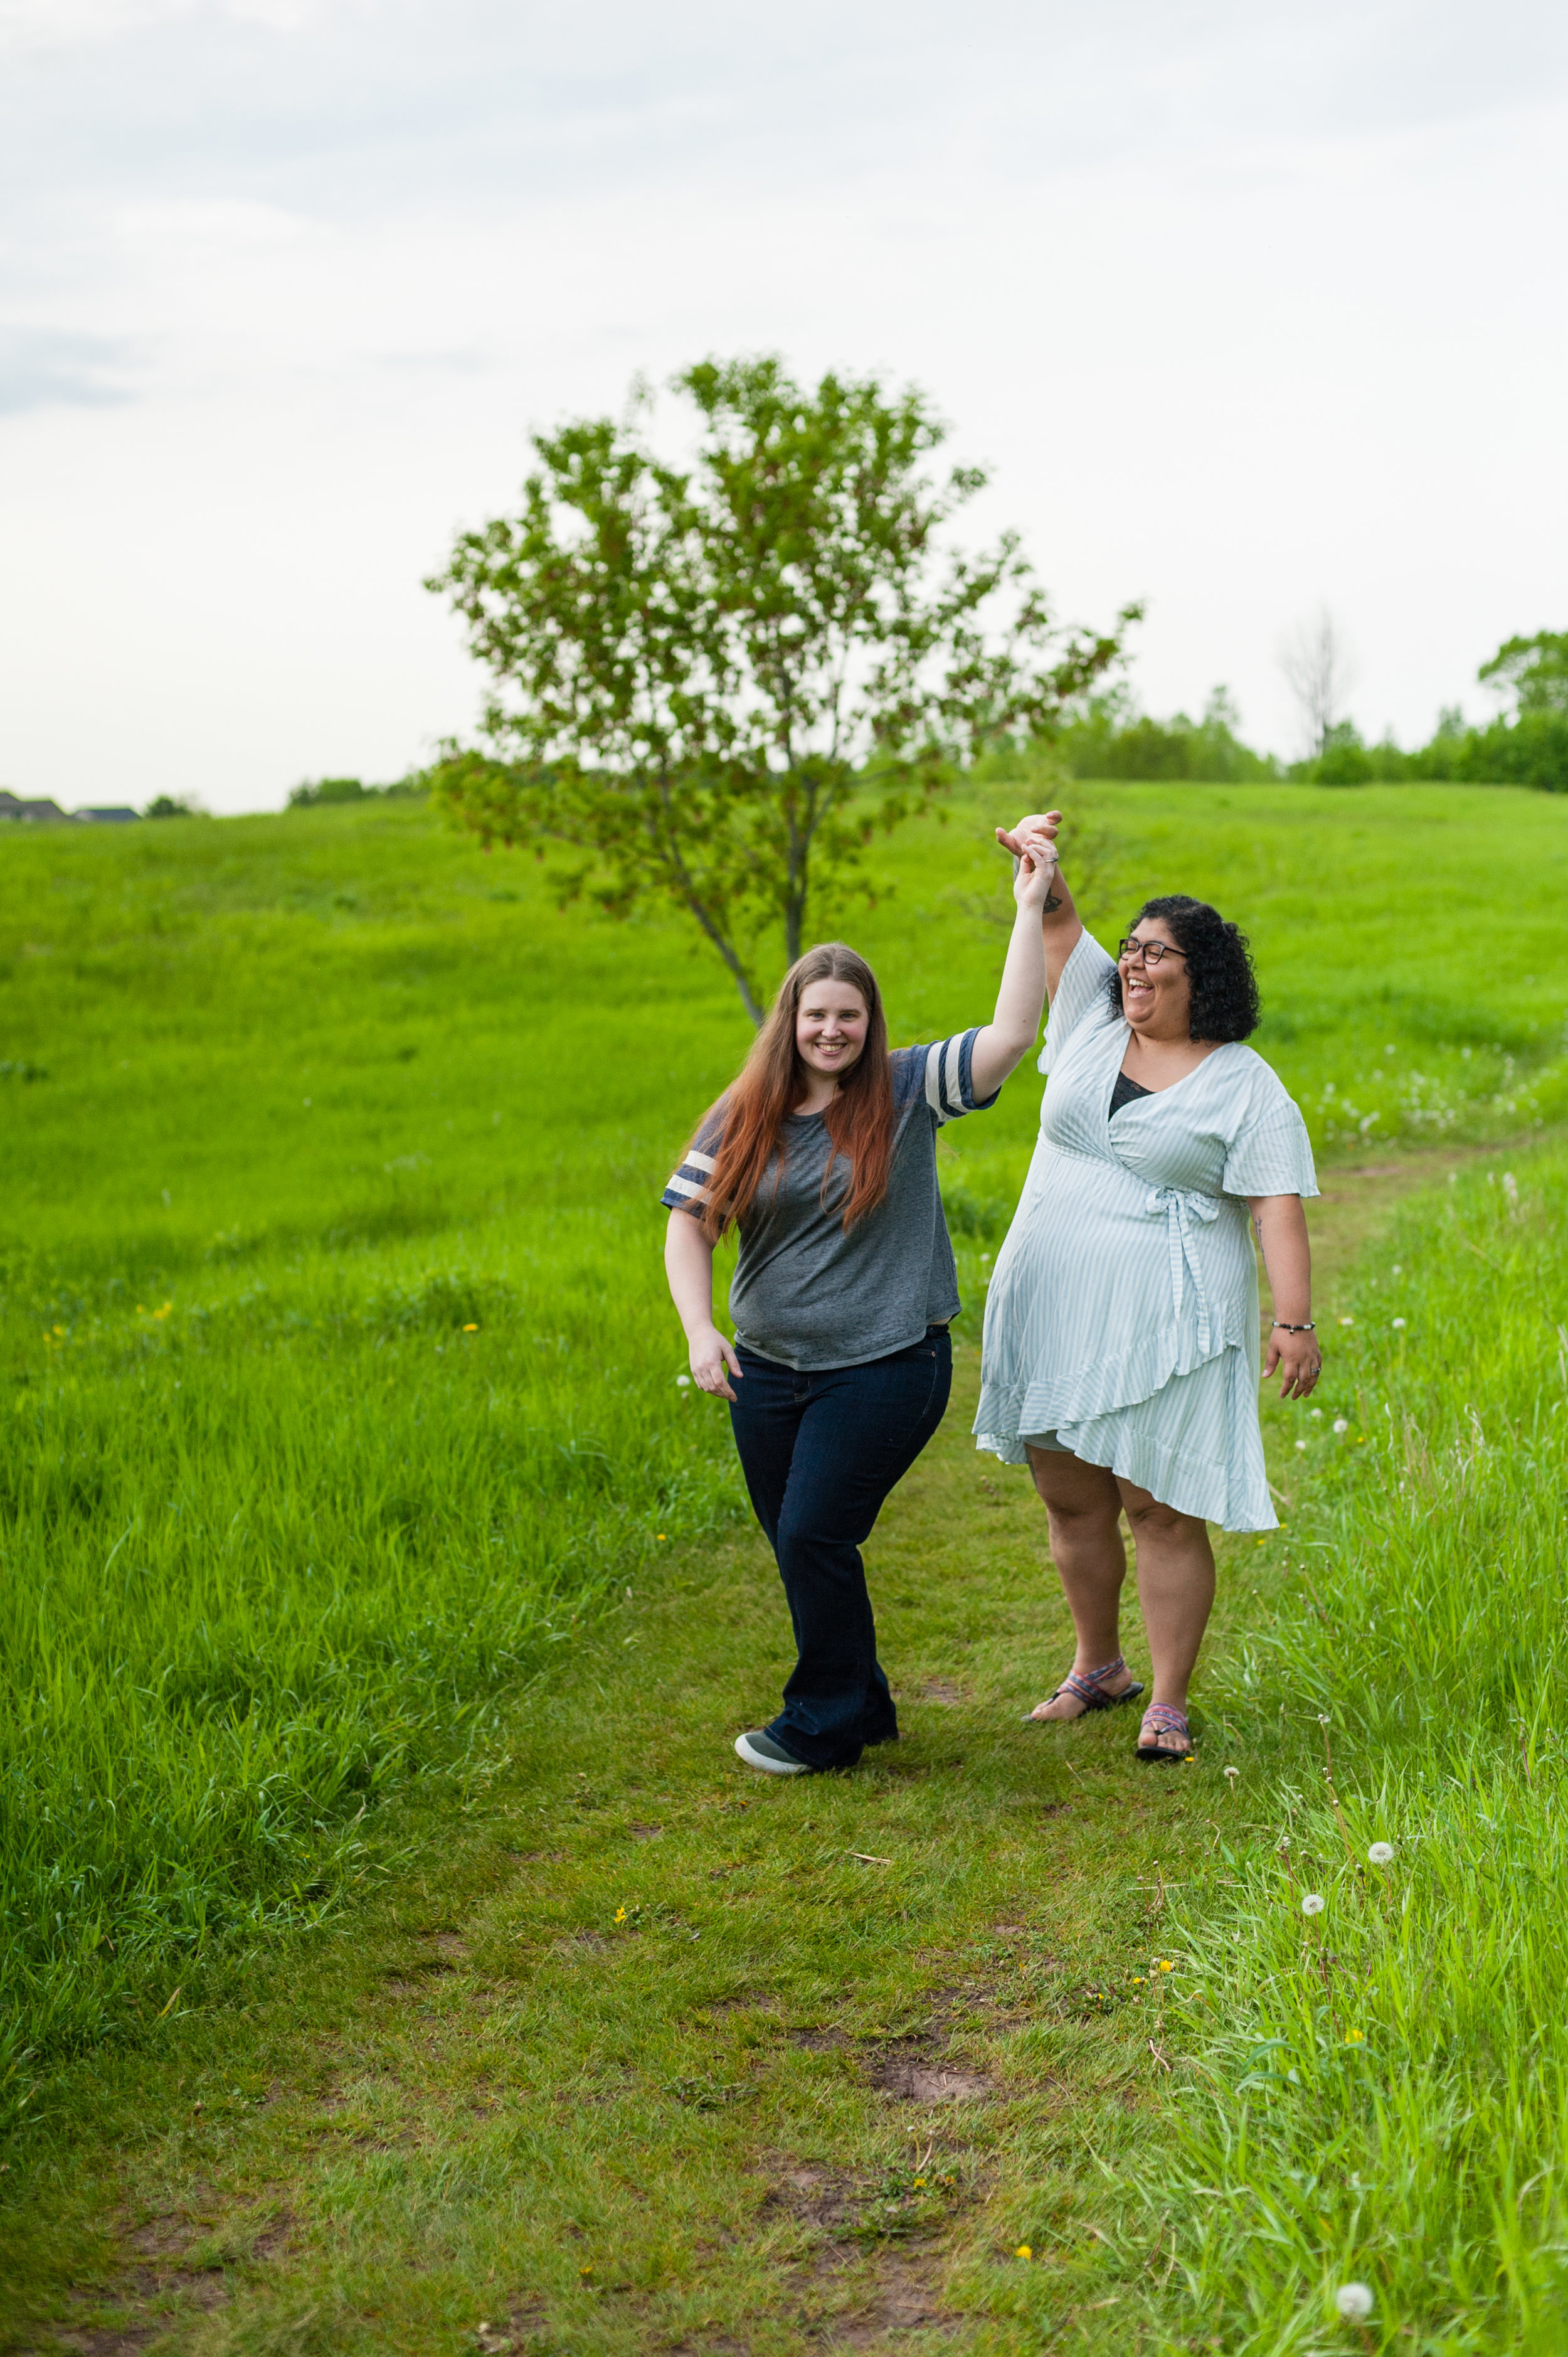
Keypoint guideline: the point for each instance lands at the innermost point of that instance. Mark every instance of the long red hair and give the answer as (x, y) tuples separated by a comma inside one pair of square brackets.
[(771, 1082)]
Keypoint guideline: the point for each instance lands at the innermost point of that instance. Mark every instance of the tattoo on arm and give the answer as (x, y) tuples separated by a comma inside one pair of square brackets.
[(1053, 901)]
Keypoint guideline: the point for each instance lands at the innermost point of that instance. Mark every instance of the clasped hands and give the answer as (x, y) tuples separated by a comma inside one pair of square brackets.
[(1033, 842)]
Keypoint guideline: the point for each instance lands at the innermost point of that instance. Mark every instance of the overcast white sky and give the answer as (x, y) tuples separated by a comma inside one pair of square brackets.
[(1249, 305)]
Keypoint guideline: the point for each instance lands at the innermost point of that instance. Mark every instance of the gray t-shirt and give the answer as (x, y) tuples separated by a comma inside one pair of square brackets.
[(804, 1293)]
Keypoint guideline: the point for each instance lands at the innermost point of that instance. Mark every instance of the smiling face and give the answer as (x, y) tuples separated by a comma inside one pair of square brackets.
[(830, 1024), (1156, 999)]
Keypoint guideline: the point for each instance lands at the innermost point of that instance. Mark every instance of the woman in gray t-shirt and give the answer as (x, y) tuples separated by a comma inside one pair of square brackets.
[(822, 1153)]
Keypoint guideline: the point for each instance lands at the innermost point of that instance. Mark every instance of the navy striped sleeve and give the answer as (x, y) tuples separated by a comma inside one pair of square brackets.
[(947, 1076), (688, 1187)]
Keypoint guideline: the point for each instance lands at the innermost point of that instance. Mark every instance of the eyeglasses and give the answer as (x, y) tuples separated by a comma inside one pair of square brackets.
[(1150, 952)]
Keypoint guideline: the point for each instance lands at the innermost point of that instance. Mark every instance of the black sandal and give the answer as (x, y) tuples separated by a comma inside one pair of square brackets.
[(1085, 1685), (1163, 1718)]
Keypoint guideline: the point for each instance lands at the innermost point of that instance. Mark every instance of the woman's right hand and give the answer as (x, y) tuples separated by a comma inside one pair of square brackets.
[(1034, 877), (711, 1357)]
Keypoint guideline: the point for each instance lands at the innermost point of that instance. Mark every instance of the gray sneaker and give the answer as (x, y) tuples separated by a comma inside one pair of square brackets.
[(759, 1751)]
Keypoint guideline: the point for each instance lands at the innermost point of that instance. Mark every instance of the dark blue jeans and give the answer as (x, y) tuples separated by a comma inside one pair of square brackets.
[(820, 1453)]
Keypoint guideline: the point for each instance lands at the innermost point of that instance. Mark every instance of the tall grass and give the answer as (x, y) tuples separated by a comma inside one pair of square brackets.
[(275, 1546), (1380, 2086)]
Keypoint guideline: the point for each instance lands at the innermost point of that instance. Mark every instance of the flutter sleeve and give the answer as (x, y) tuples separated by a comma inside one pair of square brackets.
[(1080, 994), (1271, 1152)]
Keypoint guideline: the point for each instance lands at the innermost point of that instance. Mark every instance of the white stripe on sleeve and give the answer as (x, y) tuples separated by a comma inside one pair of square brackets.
[(680, 1185), (952, 1069)]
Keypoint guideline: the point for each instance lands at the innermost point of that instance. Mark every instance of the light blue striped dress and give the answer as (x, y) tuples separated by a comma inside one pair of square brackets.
[(1122, 1314)]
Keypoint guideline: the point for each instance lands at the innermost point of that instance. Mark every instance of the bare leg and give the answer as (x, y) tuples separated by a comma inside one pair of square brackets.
[(1083, 1506), (1176, 1588)]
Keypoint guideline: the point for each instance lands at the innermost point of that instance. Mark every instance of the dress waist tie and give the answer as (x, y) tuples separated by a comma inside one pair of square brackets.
[(1182, 1206)]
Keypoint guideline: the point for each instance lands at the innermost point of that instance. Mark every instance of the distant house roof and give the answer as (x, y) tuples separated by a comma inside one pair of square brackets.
[(34, 813), (116, 815)]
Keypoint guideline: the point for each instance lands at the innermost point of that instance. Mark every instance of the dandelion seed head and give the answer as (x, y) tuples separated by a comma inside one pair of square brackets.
[(1315, 1412), (683, 1383), (1354, 2302), (1398, 1271), (1399, 1323), (1232, 1773), (1347, 1321), (1382, 1853), (1313, 1903), (1300, 1444), (1341, 1423)]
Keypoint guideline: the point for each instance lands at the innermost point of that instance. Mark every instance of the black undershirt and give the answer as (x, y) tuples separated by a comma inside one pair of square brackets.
[(1125, 1092)]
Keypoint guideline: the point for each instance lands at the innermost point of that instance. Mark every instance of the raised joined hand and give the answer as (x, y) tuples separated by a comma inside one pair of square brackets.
[(1034, 837)]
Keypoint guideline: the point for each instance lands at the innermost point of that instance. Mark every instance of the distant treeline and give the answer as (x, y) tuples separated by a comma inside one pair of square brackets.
[(1109, 738), (315, 791), (1112, 739), (1530, 751)]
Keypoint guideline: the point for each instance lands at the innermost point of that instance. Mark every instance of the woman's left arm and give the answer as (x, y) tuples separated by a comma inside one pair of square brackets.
[(1280, 1224), (1013, 1030)]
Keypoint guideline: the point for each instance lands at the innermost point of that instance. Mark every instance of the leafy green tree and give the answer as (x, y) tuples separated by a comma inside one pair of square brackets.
[(728, 673), (1534, 670)]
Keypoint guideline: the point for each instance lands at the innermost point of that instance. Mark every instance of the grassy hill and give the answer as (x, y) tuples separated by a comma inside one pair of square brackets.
[(341, 1376), (341, 1394)]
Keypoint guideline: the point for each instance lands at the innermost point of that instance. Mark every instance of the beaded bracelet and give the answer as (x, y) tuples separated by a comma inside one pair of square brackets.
[(1310, 1327)]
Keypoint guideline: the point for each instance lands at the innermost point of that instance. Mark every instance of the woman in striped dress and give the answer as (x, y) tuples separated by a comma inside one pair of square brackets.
[(1122, 1351)]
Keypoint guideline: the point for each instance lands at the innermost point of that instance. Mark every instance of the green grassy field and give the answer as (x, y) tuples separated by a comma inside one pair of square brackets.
[(342, 1405)]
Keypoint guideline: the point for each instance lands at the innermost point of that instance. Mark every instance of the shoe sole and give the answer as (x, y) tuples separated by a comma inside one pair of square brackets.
[(769, 1767)]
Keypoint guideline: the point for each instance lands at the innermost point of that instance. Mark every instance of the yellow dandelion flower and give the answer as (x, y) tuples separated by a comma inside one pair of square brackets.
[(1354, 2037), (1024, 2251), (620, 1914), (1163, 1966), (470, 1330)]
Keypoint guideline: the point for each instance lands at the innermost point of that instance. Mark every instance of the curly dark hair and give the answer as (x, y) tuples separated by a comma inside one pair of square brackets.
[(1224, 987)]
